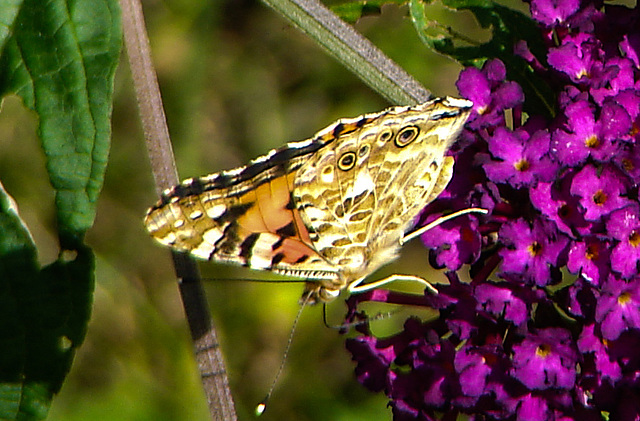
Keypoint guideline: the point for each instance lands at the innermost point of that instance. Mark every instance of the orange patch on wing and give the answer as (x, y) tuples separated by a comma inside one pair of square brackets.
[(252, 220), (294, 251), (273, 198), (270, 212)]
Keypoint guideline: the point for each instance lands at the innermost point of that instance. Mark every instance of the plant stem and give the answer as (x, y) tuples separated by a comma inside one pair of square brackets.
[(207, 350)]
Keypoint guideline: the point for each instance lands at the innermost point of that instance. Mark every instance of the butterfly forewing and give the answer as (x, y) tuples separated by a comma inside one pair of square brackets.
[(241, 216), (330, 209)]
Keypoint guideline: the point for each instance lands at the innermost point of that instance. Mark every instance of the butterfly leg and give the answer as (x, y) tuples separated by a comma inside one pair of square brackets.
[(355, 287), (439, 221)]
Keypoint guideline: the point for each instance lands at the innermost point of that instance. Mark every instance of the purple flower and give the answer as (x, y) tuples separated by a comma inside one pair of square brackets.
[(628, 161), (546, 359), (583, 136), (630, 47), (600, 192), (624, 226), (560, 207), (552, 13), (532, 408), (581, 299), (455, 242), (617, 76), (532, 251), (473, 370), (576, 56), (590, 258), (618, 307), (521, 159), (544, 322), (490, 93), (372, 371), (502, 301), (591, 345)]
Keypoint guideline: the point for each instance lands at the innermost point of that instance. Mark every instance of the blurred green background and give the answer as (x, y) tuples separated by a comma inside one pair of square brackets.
[(237, 80)]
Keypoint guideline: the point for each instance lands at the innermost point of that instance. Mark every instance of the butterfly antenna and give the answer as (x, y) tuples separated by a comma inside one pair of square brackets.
[(262, 406), (255, 280)]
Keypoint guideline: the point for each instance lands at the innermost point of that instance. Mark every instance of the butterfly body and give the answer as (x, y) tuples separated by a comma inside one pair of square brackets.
[(331, 209)]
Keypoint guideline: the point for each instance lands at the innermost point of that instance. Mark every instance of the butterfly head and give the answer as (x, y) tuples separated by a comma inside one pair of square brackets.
[(315, 292)]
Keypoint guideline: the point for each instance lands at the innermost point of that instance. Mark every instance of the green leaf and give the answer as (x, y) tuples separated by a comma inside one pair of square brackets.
[(352, 11), (507, 26), (43, 317), (61, 58), (8, 12)]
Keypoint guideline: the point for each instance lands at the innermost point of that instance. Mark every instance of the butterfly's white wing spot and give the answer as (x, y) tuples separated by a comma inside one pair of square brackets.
[(207, 179), (211, 236), (203, 251), (327, 174), (363, 184), (261, 252), (314, 214), (216, 211), (301, 144), (169, 239), (195, 215), (236, 171)]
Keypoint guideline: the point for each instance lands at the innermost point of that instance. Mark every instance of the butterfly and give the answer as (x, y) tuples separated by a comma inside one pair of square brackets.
[(331, 209)]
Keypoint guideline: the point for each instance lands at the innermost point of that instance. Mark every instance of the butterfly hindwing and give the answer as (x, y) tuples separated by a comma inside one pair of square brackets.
[(360, 193)]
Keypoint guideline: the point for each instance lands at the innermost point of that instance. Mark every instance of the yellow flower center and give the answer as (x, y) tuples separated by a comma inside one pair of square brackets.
[(592, 252), (522, 165), (543, 350), (535, 249), (592, 142), (599, 198), (624, 298)]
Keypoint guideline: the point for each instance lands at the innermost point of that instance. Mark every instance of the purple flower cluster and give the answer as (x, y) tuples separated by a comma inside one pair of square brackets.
[(547, 325)]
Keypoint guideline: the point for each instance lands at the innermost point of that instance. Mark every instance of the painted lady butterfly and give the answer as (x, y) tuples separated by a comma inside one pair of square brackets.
[(331, 209)]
